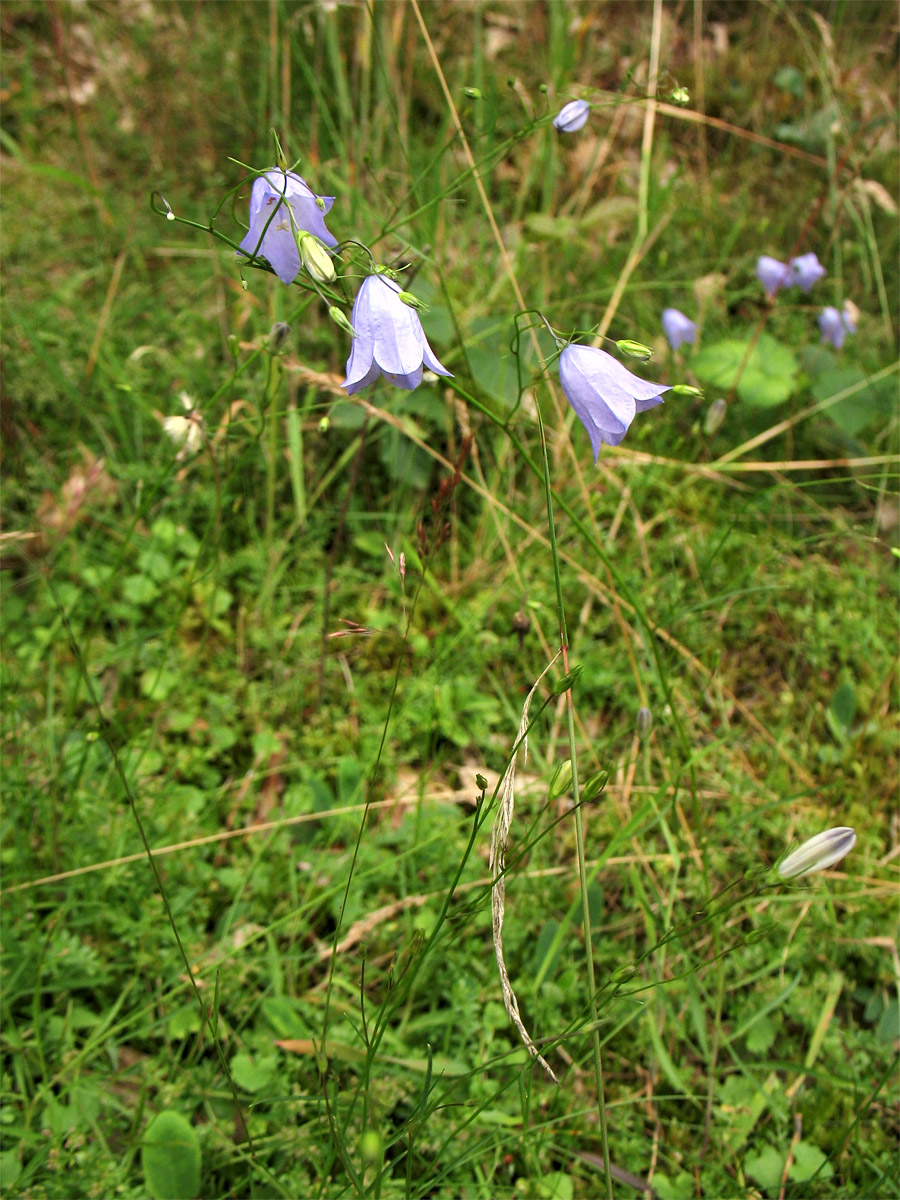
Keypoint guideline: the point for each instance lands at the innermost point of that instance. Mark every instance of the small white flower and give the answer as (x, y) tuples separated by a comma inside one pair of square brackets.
[(187, 431), (819, 852)]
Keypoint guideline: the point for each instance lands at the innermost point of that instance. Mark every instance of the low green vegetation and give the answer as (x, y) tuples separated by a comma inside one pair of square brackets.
[(264, 668)]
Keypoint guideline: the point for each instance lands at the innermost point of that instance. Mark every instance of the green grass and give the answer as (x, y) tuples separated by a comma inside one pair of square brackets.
[(217, 656)]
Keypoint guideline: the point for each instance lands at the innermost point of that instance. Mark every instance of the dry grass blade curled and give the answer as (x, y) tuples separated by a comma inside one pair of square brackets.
[(499, 840)]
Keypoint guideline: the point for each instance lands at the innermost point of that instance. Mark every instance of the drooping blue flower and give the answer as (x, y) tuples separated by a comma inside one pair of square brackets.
[(835, 325), (678, 328), (604, 394), (389, 340), (819, 852), (772, 274), (572, 116), (296, 209), (805, 271)]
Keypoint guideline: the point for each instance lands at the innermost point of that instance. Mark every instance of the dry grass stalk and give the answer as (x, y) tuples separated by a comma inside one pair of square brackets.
[(499, 840)]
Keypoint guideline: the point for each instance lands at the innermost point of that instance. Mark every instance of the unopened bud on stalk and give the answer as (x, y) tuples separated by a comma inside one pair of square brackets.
[(566, 681), (715, 416), (680, 95), (819, 852), (643, 722), (315, 258), (594, 786), (278, 335), (473, 93), (233, 344), (341, 320), (634, 349), (480, 782), (685, 389), (413, 301), (561, 781)]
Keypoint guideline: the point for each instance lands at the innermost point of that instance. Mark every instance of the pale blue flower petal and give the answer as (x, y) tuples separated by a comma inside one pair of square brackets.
[(390, 339), (604, 394), (772, 274), (572, 116), (806, 271), (292, 206), (819, 852), (832, 326), (678, 328)]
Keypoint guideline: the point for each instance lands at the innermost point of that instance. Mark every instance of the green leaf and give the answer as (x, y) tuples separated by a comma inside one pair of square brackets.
[(170, 1155), (158, 683), (766, 1168), (841, 711), (761, 1035), (765, 375), (253, 1075), (139, 589), (809, 1161), (888, 1028), (871, 404)]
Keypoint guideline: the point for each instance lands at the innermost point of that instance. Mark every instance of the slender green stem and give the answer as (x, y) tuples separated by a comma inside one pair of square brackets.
[(579, 823)]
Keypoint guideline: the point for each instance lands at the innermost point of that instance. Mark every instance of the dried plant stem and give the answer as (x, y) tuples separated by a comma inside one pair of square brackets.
[(499, 841)]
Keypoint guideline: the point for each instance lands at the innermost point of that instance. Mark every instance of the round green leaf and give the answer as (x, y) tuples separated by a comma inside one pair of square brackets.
[(170, 1156)]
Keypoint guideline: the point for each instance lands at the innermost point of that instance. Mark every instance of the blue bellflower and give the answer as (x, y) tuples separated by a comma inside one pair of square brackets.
[(772, 274), (835, 326), (604, 394), (805, 271), (678, 328), (572, 116), (296, 208), (389, 340)]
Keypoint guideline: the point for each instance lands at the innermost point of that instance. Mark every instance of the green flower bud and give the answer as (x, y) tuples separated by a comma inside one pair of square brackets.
[(233, 344), (278, 335), (685, 389), (643, 722), (413, 301), (472, 93), (481, 783), (561, 781), (341, 320), (594, 786), (324, 424), (634, 349), (563, 684), (680, 95), (315, 258)]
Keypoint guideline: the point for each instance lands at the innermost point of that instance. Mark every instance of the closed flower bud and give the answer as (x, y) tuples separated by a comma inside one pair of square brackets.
[(643, 722), (819, 852), (634, 350), (340, 319), (561, 781), (566, 681), (315, 258), (572, 116), (680, 95), (413, 301), (324, 424), (594, 786), (715, 416), (481, 782), (685, 389), (278, 335), (234, 345), (473, 93)]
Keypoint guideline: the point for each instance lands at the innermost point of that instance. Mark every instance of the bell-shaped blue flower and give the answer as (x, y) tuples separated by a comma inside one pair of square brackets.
[(835, 325), (604, 394), (805, 271), (572, 116), (772, 274), (678, 328), (389, 340), (296, 208)]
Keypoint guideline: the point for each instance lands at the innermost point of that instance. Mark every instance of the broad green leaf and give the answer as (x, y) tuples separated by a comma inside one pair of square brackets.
[(765, 375), (170, 1155), (766, 1168), (809, 1161), (254, 1074)]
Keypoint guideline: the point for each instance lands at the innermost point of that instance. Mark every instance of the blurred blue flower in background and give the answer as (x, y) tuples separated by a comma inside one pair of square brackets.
[(389, 340), (805, 271), (572, 116), (835, 325), (772, 274), (297, 209), (678, 328), (604, 394)]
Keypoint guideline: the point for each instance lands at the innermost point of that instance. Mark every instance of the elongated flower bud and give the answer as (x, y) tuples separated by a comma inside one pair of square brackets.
[(315, 258), (819, 852), (715, 415), (634, 349)]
